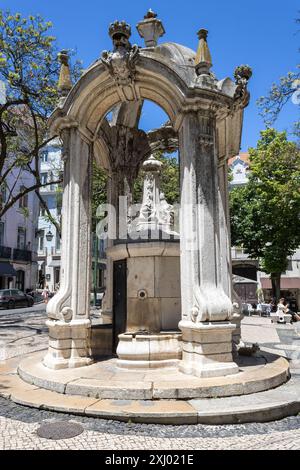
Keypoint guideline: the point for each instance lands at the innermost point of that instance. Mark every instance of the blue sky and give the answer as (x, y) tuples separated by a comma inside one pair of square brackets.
[(261, 33)]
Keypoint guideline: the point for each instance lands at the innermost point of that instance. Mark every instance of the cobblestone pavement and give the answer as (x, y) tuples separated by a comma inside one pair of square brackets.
[(18, 424), (22, 331), (18, 427)]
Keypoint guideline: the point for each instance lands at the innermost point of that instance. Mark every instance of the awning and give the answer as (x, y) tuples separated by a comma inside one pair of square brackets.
[(286, 283), (242, 280), (6, 269), (55, 263)]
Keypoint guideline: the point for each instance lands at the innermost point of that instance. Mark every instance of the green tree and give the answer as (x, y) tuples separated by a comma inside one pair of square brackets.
[(287, 88), (169, 184), (265, 213), (99, 191), (29, 72)]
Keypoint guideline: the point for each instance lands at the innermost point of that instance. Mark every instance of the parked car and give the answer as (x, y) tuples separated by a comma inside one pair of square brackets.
[(13, 298)]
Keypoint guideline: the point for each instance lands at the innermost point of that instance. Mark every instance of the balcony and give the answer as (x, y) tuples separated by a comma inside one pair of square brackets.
[(55, 251), (238, 253), (42, 253), (5, 252), (22, 255)]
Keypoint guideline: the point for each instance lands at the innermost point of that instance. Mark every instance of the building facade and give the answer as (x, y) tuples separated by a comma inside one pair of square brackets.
[(48, 235), (18, 235), (49, 243)]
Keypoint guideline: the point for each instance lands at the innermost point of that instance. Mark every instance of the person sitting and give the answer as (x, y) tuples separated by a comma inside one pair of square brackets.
[(281, 311), (295, 316)]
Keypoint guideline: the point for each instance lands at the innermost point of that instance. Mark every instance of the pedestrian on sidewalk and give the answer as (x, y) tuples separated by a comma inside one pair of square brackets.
[(45, 294)]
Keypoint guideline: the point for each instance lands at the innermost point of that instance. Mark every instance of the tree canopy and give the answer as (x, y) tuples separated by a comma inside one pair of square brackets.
[(169, 183), (265, 213), (286, 89), (29, 73)]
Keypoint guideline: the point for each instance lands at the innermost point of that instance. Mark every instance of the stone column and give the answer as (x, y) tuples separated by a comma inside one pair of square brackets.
[(225, 252), (107, 305), (68, 311), (205, 279)]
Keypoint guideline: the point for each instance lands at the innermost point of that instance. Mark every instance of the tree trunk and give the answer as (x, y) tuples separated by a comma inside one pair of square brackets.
[(275, 280)]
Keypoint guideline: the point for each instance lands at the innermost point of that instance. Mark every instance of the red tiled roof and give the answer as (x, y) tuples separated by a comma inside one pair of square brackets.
[(242, 155)]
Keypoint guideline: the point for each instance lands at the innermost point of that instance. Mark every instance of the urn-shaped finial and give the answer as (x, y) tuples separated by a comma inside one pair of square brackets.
[(150, 28)]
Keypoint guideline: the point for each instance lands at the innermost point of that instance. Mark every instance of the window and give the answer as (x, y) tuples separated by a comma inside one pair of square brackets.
[(44, 178), (1, 233), (2, 194), (21, 238), (41, 241), (20, 281), (44, 156), (56, 276), (42, 211), (57, 242), (23, 201)]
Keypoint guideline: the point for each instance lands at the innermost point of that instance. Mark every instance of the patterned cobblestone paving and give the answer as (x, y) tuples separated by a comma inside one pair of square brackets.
[(18, 424), (18, 427)]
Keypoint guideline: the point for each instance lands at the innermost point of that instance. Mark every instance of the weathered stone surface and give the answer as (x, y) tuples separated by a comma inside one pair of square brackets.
[(109, 379), (114, 389), (167, 276)]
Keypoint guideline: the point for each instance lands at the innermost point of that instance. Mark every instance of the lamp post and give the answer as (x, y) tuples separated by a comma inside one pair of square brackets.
[(49, 235)]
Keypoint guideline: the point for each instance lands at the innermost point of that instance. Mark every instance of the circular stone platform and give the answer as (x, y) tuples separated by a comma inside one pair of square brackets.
[(105, 380), (269, 371)]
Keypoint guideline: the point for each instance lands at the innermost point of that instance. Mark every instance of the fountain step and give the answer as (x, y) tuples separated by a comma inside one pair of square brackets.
[(256, 407)]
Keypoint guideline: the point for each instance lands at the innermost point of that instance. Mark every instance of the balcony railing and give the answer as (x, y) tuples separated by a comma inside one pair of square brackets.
[(55, 251), (239, 253), (22, 255), (5, 252), (42, 252)]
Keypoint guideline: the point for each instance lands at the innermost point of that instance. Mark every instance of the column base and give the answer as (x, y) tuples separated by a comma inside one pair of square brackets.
[(57, 363), (69, 344), (207, 349), (236, 335)]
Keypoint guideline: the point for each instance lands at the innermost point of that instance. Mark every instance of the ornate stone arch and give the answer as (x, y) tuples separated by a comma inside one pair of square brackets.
[(207, 114)]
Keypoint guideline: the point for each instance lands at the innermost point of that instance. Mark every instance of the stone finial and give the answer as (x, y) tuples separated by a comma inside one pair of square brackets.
[(203, 60), (150, 28), (242, 75), (151, 164), (242, 72), (150, 14), (64, 81), (120, 28), (120, 32)]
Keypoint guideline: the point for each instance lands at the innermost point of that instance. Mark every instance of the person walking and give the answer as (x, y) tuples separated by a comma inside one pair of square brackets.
[(45, 294)]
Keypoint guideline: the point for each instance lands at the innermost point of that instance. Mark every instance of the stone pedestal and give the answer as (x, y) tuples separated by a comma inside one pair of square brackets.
[(69, 344), (153, 304), (205, 271), (138, 350), (207, 349)]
